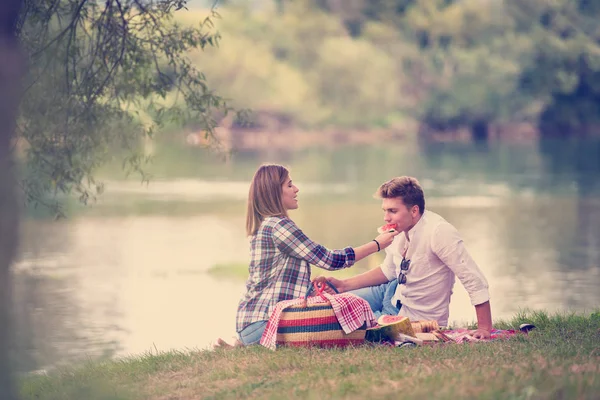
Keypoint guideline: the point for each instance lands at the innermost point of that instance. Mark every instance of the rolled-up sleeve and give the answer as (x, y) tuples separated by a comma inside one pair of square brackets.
[(447, 244), (291, 240)]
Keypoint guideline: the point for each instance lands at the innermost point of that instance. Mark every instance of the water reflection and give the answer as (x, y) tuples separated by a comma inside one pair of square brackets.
[(100, 287), (48, 302), (129, 275)]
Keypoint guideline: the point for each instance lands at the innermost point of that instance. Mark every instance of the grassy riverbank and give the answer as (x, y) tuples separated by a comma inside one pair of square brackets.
[(558, 360)]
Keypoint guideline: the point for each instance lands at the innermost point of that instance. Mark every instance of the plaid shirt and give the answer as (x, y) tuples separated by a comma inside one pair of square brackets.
[(280, 258)]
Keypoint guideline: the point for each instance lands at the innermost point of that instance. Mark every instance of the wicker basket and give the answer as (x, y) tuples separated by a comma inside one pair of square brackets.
[(315, 325)]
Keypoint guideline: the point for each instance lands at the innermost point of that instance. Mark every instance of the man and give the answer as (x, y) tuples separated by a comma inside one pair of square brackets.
[(418, 273)]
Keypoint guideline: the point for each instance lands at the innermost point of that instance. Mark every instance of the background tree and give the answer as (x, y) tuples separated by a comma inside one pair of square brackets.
[(11, 66), (101, 76), (461, 59), (105, 75), (565, 66), (447, 65)]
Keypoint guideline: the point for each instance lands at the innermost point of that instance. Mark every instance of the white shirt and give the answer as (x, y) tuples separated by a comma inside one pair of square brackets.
[(437, 254)]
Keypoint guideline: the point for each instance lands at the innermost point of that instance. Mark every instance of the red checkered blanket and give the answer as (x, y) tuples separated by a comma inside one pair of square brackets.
[(464, 335)]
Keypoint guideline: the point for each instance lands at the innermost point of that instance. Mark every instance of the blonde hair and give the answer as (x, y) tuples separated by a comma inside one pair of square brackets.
[(264, 197), (405, 187)]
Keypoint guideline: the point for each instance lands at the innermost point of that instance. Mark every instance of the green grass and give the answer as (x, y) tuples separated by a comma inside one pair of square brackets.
[(558, 360)]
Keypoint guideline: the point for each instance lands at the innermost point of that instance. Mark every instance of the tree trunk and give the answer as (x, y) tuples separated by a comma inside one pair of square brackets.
[(10, 68)]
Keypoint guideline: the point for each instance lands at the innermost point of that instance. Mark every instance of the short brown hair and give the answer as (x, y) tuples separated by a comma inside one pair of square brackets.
[(405, 187), (264, 197)]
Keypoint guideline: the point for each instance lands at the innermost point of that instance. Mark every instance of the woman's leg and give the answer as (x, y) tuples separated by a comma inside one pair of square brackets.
[(253, 332)]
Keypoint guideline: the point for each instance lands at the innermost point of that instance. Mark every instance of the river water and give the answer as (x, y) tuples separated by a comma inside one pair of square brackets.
[(128, 275)]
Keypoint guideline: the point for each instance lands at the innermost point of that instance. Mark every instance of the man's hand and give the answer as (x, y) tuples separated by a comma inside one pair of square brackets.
[(481, 334), (321, 280), (484, 321)]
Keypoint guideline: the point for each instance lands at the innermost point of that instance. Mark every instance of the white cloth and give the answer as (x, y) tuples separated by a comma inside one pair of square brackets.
[(437, 254)]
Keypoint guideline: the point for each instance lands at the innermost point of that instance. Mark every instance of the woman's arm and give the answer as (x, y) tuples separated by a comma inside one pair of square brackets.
[(291, 240), (379, 243)]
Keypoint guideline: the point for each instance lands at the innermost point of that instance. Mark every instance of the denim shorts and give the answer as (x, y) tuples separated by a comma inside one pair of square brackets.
[(253, 332)]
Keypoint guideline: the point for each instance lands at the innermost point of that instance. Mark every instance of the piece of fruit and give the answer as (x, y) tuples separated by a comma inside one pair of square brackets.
[(388, 327), (395, 324), (387, 228)]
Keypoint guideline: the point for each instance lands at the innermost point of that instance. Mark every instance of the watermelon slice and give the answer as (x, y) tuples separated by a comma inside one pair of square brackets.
[(388, 327), (385, 320), (387, 228)]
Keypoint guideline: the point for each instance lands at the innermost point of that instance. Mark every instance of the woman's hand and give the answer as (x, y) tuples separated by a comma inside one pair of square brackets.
[(386, 238)]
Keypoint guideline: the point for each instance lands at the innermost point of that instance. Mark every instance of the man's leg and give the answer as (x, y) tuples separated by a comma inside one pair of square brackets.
[(388, 307), (379, 298)]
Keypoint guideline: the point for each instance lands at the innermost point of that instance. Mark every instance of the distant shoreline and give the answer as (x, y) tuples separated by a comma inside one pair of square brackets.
[(288, 138)]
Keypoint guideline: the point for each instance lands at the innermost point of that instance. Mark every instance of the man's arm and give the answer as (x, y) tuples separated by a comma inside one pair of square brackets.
[(372, 277), (449, 247)]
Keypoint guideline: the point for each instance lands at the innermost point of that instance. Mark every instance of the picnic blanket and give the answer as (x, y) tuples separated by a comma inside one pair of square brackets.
[(463, 335), (458, 336)]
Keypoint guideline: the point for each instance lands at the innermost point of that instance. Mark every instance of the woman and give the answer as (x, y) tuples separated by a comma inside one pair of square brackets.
[(280, 252)]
